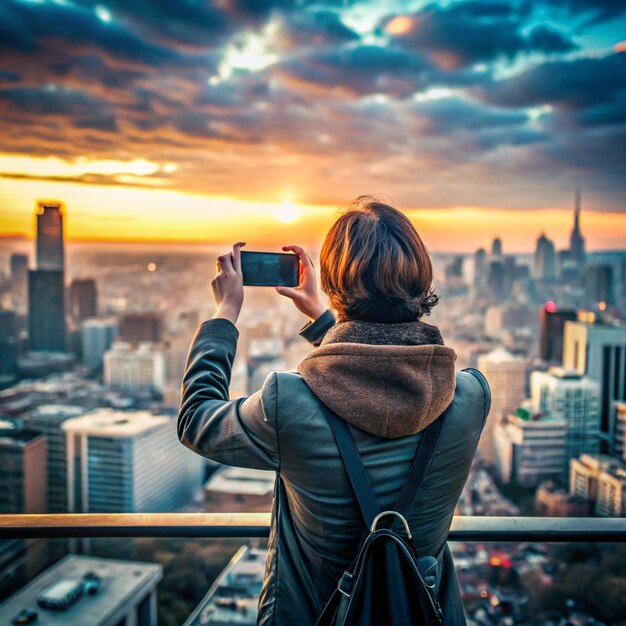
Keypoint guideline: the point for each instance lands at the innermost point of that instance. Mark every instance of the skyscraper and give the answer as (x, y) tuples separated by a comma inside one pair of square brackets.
[(599, 351), (83, 299), (496, 247), (46, 284), (50, 255), (97, 337), (577, 241), (545, 259), (19, 280), (600, 285), (551, 330)]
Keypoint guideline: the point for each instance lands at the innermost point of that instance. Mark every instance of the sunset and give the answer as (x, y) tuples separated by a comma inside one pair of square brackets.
[(313, 312)]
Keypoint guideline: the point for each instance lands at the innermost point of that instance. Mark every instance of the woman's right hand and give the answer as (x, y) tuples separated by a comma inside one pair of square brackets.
[(306, 295)]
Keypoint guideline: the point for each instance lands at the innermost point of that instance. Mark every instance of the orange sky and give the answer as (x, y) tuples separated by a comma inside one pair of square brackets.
[(115, 213)]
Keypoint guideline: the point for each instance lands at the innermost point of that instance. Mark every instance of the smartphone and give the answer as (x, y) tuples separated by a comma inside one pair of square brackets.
[(268, 269)]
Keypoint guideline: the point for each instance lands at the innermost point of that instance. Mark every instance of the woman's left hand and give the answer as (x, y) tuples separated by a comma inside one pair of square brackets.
[(228, 284)]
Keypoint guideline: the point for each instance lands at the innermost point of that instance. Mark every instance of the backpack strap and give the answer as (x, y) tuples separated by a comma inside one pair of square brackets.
[(354, 466), (421, 463)]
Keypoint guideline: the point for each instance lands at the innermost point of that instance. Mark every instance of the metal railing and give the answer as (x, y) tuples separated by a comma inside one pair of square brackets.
[(225, 525)]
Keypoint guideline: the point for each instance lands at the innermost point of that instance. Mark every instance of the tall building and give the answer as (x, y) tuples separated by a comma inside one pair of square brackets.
[(600, 285), (128, 366), (19, 280), (124, 462), (507, 378), (599, 351), (577, 241), (569, 396), (496, 279), (545, 259), (551, 331), (97, 337), (141, 327), (496, 247), (8, 346), (50, 249), (126, 594), (530, 447), (47, 419), (46, 284), (46, 311), (83, 299), (619, 442), (480, 259)]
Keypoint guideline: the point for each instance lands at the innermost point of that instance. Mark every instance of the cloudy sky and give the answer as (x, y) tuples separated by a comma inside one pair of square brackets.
[(182, 119)]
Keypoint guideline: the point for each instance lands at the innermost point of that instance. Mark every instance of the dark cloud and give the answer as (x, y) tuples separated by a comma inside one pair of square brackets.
[(593, 11), (464, 33)]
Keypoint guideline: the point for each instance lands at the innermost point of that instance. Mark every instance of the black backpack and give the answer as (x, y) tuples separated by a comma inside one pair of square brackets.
[(387, 584)]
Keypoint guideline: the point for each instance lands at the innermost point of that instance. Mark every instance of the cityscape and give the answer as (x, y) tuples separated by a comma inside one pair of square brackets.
[(93, 346)]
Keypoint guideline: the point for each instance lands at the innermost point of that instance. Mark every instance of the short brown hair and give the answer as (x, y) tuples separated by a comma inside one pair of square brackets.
[(375, 267)]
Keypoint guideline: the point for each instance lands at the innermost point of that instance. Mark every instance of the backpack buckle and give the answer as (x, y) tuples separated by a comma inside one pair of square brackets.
[(345, 584)]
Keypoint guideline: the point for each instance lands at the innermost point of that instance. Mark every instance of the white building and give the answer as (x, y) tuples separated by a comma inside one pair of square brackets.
[(570, 396), (506, 375), (97, 335), (128, 461), (530, 447), (127, 366)]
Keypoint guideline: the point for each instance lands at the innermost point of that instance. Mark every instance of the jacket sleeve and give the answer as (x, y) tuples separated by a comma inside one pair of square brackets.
[(239, 432), (314, 331)]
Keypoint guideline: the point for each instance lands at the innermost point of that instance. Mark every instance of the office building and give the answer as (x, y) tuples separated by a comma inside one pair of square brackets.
[(233, 489), (141, 327), (600, 286), (23, 469), (47, 419), (505, 317), (552, 500), (480, 259), (135, 367), (496, 280), (611, 500), (569, 396), (50, 248), (46, 311), (125, 595), (496, 247), (551, 331), (545, 259), (507, 379), (97, 337), (599, 352), (234, 596), (585, 472), (619, 441), (18, 264), (125, 462), (83, 299), (530, 447), (8, 346)]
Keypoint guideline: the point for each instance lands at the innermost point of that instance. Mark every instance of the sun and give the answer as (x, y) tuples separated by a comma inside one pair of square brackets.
[(287, 212)]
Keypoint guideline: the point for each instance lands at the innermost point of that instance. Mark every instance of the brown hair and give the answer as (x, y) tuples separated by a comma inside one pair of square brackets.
[(375, 267)]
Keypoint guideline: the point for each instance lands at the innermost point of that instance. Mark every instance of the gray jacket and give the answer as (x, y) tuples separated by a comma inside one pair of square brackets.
[(316, 524)]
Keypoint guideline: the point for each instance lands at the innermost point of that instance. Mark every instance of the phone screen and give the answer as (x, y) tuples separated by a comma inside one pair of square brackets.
[(266, 269)]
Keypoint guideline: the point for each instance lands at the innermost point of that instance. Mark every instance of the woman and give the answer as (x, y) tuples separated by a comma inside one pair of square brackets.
[(378, 367)]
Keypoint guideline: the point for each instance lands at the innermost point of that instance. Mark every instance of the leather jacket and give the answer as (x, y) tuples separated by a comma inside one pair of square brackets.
[(316, 524)]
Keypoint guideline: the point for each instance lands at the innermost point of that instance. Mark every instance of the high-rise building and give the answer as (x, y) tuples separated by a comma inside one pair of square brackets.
[(97, 337), (599, 351), (569, 396), (19, 280), (496, 247), (46, 311), (600, 286), (480, 259), (577, 241), (135, 367), (496, 279), (126, 594), (124, 462), (506, 374), (141, 327), (619, 442), (506, 317), (530, 447), (47, 419), (545, 259), (50, 249), (551, 331), (612, 492), (8, 345), (46, 284), (83, 299)]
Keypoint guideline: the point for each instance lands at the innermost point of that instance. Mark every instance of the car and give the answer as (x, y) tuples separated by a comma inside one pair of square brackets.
[(26, 616), (91, 583)]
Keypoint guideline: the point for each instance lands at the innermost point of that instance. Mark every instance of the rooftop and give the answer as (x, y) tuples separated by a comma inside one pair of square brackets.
[(120, 582), (110, 423), (12, 434)]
